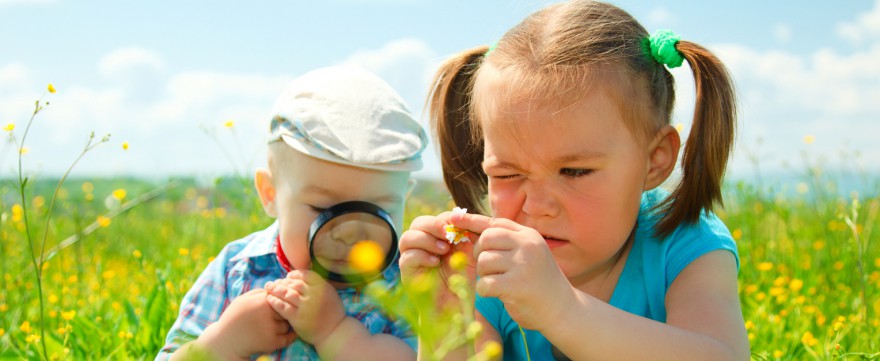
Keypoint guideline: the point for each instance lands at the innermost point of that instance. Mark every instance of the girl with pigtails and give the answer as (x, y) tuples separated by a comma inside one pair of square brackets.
[(563, 129)]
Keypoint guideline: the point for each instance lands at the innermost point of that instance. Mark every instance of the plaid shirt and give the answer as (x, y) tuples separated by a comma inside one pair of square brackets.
[(249, 263)]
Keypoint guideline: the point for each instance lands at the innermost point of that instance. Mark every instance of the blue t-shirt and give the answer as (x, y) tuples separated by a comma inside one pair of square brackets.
[(650, 268)]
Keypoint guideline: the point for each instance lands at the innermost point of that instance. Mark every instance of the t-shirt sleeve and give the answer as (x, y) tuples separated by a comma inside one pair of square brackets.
[(200, 307), (492, 310), (692, 241)]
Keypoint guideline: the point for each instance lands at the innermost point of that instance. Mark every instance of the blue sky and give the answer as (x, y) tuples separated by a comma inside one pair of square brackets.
[(165, 76)]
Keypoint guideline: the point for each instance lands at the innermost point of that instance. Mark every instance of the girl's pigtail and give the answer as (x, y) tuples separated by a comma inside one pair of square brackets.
[(460, 145), (709, 142)]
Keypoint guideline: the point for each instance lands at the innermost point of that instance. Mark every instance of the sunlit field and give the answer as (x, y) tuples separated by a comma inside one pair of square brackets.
[(96, 268)]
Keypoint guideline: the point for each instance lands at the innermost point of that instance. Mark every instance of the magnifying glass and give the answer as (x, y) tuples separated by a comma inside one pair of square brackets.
[(352, 242)]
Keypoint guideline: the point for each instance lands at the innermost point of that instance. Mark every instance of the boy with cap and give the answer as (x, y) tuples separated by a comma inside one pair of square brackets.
[(338, 134)]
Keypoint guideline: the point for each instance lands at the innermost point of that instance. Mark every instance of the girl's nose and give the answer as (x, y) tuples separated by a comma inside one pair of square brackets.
[(539, 201), (349, 232)]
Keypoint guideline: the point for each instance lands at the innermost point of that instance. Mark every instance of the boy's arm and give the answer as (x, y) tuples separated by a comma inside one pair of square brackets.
[(351, 340), (200, 307), (315, 311)]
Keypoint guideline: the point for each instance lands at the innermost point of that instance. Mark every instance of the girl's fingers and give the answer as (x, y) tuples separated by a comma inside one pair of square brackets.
[(414, 239), (494, 239), (492, 263), (478, 223), (413, 259), (433, 227), (490, 286)]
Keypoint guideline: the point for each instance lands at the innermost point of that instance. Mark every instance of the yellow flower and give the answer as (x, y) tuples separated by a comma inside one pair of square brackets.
[(124, 145), (32, 338), (25, 327), (492, 350), (778, 354), (136, 254), (809, 139), (458, 261), (366, 256), (808, 339), (51, 88), (24, 150), (737, 234), (229, 123), (2, 332), (4, 307), (9, 127), (68, 315), (119, 194), (796, 285), (88, 187), (765, 266), (183, 251), (53, 299), (750, 325), (103, 221)]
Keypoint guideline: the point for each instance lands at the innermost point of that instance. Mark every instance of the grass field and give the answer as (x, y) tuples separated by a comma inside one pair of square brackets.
[(96, 268), (809, 283)]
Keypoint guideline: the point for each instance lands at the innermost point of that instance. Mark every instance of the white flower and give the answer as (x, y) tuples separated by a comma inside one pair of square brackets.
[(454, 234)]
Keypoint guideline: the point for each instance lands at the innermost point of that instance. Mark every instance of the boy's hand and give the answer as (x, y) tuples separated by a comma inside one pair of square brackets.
[(247, 326), (309, 303), (515, 265), (424, 247)]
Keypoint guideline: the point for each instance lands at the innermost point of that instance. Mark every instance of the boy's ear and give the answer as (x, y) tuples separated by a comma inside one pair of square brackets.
[(663, 156), (266, 190)]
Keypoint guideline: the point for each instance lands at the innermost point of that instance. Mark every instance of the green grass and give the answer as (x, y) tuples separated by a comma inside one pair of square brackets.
[(808, 290)]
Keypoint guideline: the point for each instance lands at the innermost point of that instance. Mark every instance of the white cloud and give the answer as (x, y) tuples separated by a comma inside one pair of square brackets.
[(782, 32), (128, 61), (661, 16), (162, 120), (864, 28)]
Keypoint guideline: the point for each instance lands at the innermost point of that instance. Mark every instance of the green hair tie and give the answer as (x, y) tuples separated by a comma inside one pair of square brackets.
[(491, 47), (663, 50)]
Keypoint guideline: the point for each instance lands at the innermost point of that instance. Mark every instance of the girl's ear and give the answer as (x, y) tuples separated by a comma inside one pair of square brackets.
[(663, 156), (266, 190)]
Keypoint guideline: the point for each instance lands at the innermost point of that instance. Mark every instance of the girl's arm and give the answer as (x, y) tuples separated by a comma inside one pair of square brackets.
[(704, 321)]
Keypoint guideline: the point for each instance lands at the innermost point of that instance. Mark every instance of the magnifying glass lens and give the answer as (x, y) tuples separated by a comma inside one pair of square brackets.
[(352, 242)]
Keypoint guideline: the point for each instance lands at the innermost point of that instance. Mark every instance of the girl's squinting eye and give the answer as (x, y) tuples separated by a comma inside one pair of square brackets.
[(505, 176), (316, 209), (575, 172)]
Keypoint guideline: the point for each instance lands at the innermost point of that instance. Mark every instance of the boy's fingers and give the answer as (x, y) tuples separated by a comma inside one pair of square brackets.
[(286, 310), (286, 338)]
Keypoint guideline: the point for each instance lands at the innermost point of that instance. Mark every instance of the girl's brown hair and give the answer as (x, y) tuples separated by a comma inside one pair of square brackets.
[(554, 54)]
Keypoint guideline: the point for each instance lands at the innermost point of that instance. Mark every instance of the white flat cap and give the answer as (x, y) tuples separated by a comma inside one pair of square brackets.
[(347, 115)]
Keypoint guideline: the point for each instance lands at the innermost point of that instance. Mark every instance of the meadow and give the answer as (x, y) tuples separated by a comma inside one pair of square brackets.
[(96, 268)]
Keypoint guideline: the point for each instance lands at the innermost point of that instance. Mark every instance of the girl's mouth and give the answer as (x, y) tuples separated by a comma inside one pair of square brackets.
[(554, 242)]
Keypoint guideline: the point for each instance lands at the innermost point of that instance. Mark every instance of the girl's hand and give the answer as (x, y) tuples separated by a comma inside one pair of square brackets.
[(246, 327), (515, 265), (424, 248), (309, 303)]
